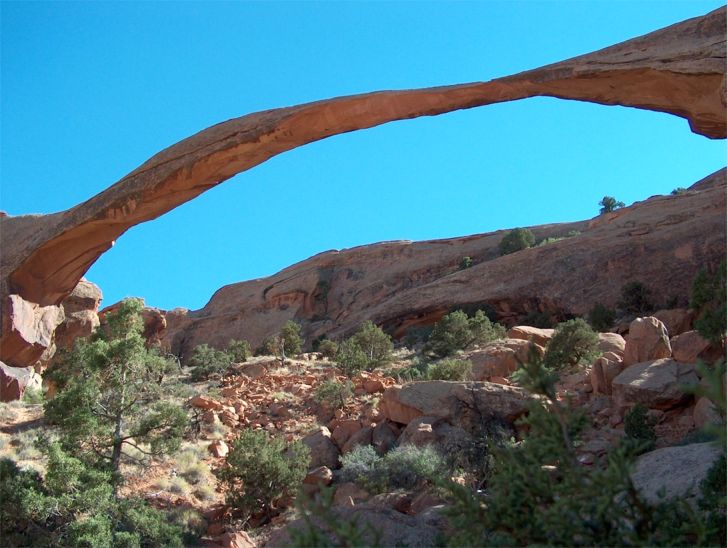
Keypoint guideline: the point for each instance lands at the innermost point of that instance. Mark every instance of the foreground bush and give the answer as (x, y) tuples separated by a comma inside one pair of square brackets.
[(573, 343), (260, 470), (639, 429)]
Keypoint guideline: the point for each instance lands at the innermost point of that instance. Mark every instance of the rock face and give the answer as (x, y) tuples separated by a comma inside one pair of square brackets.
[(679, 69), (676, 470), (81, 314), (655, 384), (15, 380)]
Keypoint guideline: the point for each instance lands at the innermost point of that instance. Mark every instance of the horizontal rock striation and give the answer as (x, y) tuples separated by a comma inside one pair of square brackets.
[(679, 69)]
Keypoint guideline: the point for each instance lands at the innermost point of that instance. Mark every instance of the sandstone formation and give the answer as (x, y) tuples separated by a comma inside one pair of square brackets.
[(675, 471), (657, 384), (647, 340), (679, 69), (662, 241)]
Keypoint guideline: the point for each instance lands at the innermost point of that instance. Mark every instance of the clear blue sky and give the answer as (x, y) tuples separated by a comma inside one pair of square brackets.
[(91, 90)]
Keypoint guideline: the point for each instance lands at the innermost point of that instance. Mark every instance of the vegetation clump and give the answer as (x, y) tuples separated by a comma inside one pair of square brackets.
[(636, 298), (601, 317), (367, 349), (333, 394), (517, 240), (328, 348), (639, 428), (609, 204), (207, 362), (465, 263), (709, 299), (573, 343), (450, 369), (261, 470), (456, 331)]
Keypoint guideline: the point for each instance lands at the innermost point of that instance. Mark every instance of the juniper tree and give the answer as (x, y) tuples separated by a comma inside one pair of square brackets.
[(111, 395)]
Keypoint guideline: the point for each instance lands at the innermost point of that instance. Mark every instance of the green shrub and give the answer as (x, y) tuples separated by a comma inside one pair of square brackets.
[(713, 501), (465, 263), (207, 361), (601, 317), (678, 191), (609, 203), (405, 467), (328, 348), (261, 470), (456, 331), (351, 359), (636, 298), (417, 335), (639, 429), (573, 343), (291, 339), (516, 240), (709, 298), (375, 344), (542, 320), (238, 351), (33, 396), (450, 370), (269, 347), (333, 394)]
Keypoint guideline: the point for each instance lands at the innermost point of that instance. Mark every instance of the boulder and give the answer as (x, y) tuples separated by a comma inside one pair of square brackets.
[(360, 438), (15, 380), (705, 412), (500, 358), (675, 470), (344, 430), (238, 539), (27, 330), (676, 320), (420, 432), (319, 476), (253, 370), (689, 347), (218, 449), (657, 384), (203, 402), (378, 522), (348, 494), (611, 342), (602, 374), (539, 336), (452, 400), (647, 340), (323, 452)]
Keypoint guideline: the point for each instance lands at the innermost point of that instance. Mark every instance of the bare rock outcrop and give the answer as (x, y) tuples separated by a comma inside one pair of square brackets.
[(657, 384), (647, 340), (679, 69)]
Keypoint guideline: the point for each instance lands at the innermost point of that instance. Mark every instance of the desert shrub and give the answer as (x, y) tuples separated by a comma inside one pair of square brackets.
[(333, 394), (450, 369), (375, 344), (290, 338), (416, 370), (678, 191), (465, 263), (405, 467), (573, 343), (33, 396), (417, 335), (238, 350), (713, 501), (516, 240), (709, 298), (74, 505), (350, 358), (609, 203), (269, 347), (207, 361), (536, 318), (601, 317), (261, 470), (456, 331), (328, 348), (636, 298), (639, 429)]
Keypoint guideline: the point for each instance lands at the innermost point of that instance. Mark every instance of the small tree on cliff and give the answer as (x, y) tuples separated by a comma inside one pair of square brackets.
[(609, 204), (111, 395)]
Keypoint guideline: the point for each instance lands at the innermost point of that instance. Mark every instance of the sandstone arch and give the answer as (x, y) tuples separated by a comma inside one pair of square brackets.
[(679, 69)]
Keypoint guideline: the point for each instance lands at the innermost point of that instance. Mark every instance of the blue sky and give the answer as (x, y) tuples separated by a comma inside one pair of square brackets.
[(91, 90)]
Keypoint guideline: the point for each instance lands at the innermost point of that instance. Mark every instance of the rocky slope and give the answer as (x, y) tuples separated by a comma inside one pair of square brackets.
[(662, 242), (679, 69)]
